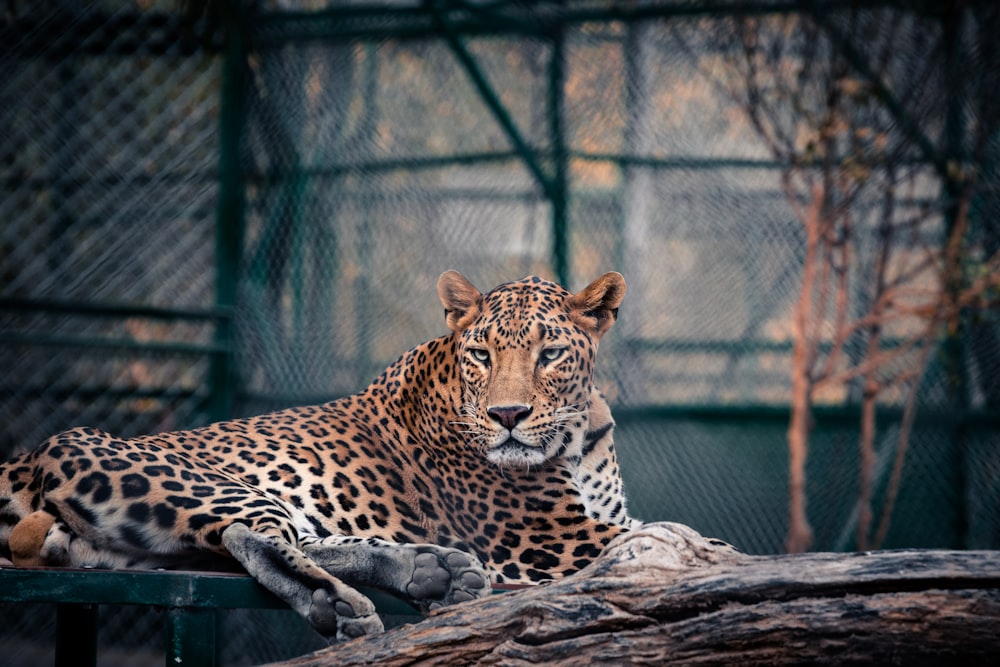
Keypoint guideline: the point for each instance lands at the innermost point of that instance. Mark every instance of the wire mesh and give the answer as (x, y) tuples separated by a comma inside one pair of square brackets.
[(665, 460), (380, 148), (108, 159)]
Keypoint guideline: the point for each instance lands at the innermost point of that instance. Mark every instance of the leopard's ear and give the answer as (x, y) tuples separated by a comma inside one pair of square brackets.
[(460, 300), (595, 308)]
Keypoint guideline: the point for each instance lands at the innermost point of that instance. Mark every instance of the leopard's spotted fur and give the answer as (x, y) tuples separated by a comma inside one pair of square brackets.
[(482, 456)]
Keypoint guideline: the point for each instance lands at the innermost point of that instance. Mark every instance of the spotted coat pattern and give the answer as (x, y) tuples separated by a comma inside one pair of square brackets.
[(490, 441)]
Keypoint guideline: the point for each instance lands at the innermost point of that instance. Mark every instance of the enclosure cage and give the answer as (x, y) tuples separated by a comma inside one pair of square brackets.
[(223, 208)]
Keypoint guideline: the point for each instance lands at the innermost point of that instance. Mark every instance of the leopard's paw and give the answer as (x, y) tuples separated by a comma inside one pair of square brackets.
[(335, 610), (443, 576), (340, 620)]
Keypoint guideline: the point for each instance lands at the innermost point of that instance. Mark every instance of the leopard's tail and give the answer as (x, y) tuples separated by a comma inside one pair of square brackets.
[(18, 497)]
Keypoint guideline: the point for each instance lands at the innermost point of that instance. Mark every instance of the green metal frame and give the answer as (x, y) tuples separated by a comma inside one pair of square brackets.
[(192, 601), (231, 205)]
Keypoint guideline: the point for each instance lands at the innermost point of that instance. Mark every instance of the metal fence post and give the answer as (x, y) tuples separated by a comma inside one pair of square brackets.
[(191, 637), (559, 191), (230, 212)]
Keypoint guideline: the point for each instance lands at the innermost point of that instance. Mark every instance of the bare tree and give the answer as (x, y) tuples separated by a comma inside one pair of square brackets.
[(850, 115)]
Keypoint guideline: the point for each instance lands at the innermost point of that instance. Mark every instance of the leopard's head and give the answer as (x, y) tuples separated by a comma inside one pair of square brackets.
[(526, 354)]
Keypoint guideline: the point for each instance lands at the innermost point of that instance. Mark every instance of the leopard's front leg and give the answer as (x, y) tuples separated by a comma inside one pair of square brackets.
[(425, 575), (333, 608)]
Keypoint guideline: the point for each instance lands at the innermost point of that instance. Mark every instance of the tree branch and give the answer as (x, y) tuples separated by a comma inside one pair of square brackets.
[(664, 593)]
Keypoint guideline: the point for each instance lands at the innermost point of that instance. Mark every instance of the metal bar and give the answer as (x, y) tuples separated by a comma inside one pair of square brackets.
[(72, 33), (171, 588), (559, 192), (727, 346), (157, 33), (418, 163), (399, 164), (59, 307), (678, 162), (91, 394), (953, 192), (693, 162), (626, 12), (21, 181), (230, 215), (191, 637), (154, 588), (366, 238), (441, 194), (375, 22), (703, 346), (493, 15), (114, 344), (823, 414)]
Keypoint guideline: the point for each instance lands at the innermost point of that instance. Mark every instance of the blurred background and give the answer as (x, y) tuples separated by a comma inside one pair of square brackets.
[(216, 209)]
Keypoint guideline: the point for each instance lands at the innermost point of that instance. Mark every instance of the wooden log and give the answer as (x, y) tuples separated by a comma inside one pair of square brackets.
[(664, 594)]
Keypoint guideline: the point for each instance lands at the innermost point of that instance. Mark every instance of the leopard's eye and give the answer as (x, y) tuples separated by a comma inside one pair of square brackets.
[(551, 354), (480, 355)]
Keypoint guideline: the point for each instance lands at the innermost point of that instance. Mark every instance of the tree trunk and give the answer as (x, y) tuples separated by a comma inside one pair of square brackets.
[(804, 345), (665, 594)]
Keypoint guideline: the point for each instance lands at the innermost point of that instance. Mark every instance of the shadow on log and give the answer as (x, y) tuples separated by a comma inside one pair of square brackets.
[(665, 594)]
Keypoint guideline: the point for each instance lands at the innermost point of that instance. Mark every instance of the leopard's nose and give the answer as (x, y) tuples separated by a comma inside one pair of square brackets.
[(509, 415)]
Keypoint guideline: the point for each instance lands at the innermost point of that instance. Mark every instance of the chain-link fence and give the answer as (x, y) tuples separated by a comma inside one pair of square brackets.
[(226, 209)]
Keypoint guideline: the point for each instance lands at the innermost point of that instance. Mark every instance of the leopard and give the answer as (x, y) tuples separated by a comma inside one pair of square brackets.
[(482, 458)]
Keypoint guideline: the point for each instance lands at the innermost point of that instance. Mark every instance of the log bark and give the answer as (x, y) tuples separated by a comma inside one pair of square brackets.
[(664, 594)]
